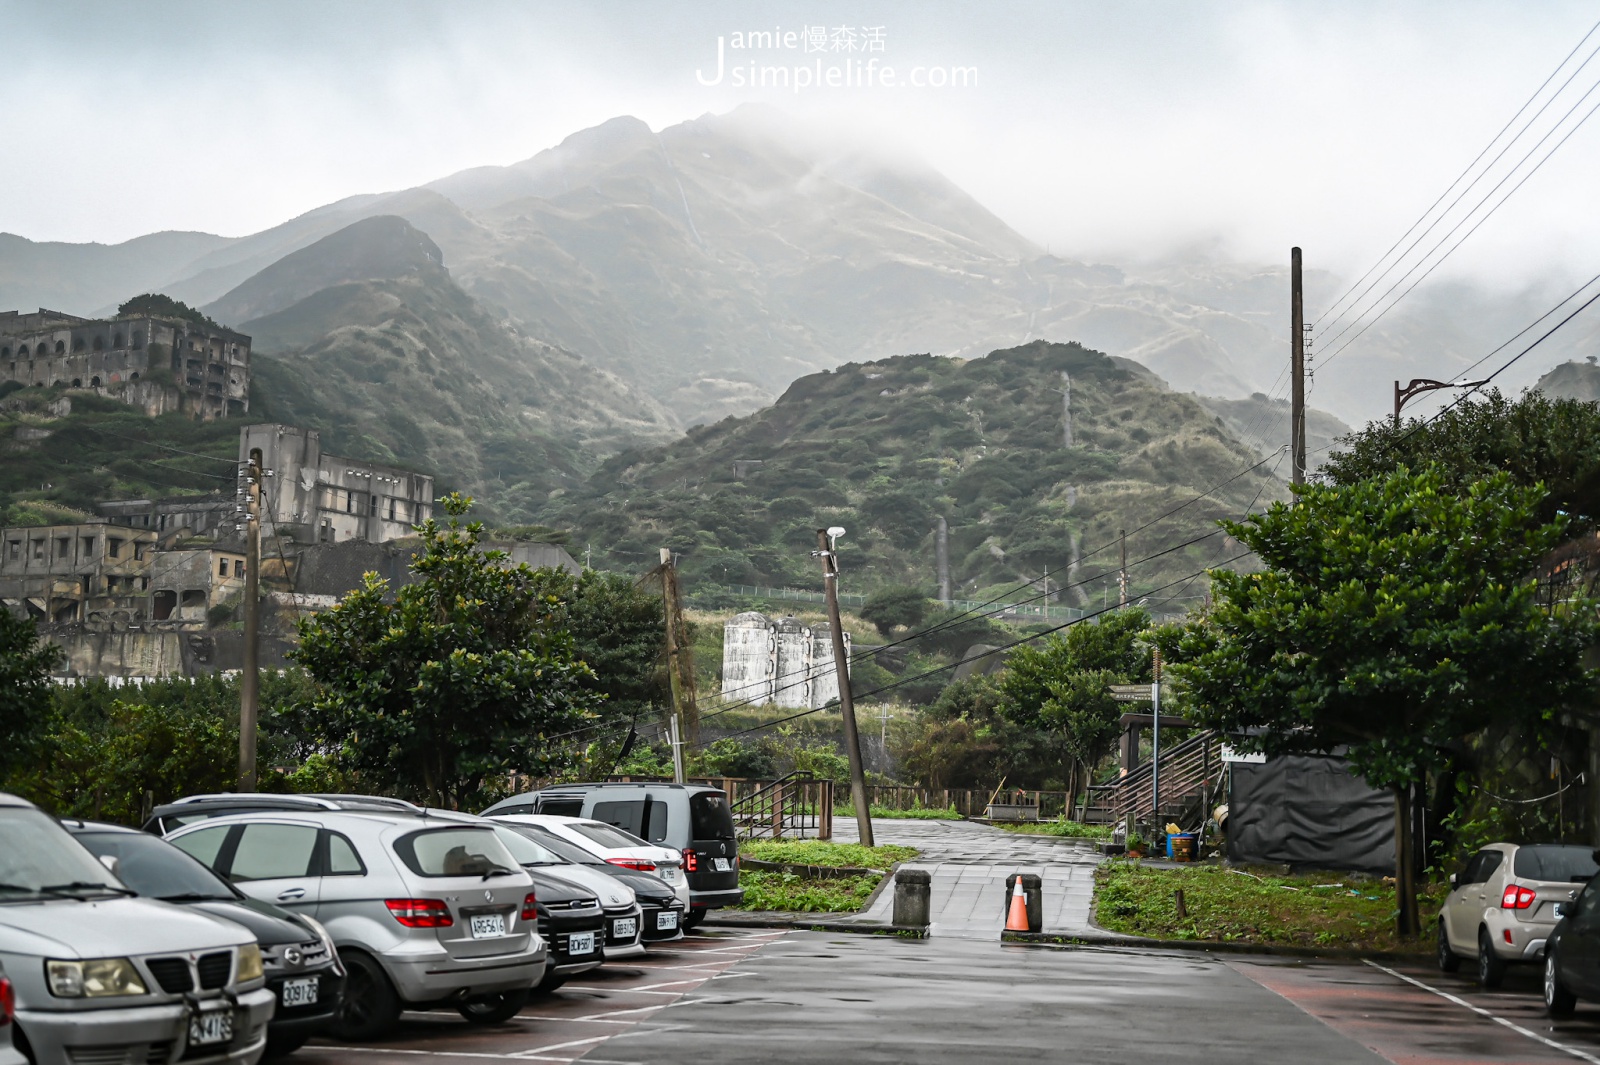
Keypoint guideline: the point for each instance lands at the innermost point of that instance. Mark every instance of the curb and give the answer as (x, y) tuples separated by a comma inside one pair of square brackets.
[(1286, 950), (818, 923)]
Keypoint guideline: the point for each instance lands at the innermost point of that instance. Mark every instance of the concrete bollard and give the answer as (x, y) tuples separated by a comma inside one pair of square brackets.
[(913, 892), (1033, 892)]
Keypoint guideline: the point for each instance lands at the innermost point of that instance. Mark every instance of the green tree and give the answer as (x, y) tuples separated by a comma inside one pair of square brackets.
[(463, 675), (1392, 616), (897, 607), (25, 665), (1063, 686)]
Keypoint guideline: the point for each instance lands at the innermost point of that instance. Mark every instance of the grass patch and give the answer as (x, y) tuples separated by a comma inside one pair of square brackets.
[(915, 813), (1060, 827), (785, 891), (1321, 910), (820, 852)]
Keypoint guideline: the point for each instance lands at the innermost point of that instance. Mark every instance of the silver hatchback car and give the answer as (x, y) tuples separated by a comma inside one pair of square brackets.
[(424, 910)]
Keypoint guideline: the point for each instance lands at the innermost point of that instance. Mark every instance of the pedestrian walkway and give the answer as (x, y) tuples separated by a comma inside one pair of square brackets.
[(969, 863)]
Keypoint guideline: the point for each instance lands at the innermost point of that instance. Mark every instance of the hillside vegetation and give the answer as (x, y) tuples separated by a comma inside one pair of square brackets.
[(885, 448)]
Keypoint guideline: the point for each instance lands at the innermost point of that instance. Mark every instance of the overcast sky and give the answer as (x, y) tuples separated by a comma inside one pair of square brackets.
[(1105, 130)]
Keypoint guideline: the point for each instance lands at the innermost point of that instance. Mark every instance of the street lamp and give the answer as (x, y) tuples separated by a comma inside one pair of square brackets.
[(1420, 385)]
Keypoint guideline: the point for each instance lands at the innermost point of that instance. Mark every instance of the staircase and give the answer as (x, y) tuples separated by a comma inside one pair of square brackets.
[(1190, 776), (797, 806)]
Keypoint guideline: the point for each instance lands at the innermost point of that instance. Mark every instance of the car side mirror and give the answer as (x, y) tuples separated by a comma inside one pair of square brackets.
[(1453, 879), (112, 864)]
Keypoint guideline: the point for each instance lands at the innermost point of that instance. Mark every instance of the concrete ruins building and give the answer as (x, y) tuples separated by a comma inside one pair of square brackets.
[(316, 498), (786, 661), (157, 364)]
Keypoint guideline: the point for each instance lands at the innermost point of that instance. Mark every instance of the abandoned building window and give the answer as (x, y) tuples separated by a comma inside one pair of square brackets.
[(88, 545), (40, 350), (134, 376), (138, 548), (194, 597), (349, 502), (161, 606), (77, 343), (222, 568), (63, 546), (372, 505), (77, 382), (15, 549), (94, 382), (116, 341), (113, 547), (38, 549), (144, 584), (391, 508), (138, 340), (5, 353), (99, 343), (61, 347), (238, 567)]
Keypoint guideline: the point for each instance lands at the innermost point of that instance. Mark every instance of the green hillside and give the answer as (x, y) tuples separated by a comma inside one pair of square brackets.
[(885, 448)]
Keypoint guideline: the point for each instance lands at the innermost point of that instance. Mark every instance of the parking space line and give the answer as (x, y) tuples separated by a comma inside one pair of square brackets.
[(536, 1051), (616, 1013), (1480, 1011), (434, 1053)]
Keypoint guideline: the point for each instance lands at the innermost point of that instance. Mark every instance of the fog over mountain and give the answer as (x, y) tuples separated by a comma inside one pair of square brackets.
[(714, 261)]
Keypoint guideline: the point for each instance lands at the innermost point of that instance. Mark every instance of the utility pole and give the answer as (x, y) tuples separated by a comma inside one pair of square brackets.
[(841, 667), (669, 599), (1297, 370), (250, 680), (1122, 573), (1155, 737)]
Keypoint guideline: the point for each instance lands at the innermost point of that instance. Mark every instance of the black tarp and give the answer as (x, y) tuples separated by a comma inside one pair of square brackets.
[(1306, 810)]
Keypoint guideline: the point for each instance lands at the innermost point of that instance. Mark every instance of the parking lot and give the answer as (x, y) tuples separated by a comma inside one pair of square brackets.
[(575, 1022)]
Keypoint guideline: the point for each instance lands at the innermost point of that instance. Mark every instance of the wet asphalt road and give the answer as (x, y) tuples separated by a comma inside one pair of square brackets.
[(742, 996)]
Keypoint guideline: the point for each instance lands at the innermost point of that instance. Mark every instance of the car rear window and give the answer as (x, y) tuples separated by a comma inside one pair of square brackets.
[(608, 836), (646, 818), (1554, 862), (709, 817), (563, 807), (454, 852)]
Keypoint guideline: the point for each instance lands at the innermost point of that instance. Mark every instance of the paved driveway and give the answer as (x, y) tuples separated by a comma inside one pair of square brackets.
[(969, 863)]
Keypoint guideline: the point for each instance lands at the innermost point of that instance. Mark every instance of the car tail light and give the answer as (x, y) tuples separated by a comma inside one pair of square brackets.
[(530, 908), (8, 1001), (691, 860), (633, 863), (1516, 897), (420, 913)]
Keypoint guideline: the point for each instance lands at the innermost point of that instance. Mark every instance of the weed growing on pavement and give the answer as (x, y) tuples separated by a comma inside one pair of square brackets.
[(1229, 905), (820, 852), (914, 813), (1058, 827), (785, 891)]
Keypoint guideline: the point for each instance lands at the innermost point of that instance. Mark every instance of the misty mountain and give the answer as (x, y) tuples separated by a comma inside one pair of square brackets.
[(93, 278), (1263, 424), (1572, 380)]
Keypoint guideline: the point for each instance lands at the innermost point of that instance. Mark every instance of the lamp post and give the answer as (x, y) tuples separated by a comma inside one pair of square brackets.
[(1419, 385)]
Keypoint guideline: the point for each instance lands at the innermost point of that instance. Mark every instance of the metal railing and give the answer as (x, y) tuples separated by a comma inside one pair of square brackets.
[(797, 806), (1189, 772)]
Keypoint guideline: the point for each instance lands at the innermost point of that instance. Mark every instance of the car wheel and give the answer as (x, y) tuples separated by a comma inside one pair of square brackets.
[(494, 1009), (371, 1007), (1491, 968), (1449, 960), (1558, 1001)]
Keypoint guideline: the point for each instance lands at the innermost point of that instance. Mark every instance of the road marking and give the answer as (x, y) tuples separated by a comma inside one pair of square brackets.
[(434, 1053), (1480, 1011), (536, 1051)]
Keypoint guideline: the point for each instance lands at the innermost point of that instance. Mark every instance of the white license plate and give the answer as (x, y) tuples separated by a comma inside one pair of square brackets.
[(301, 992), (487, 926), (213, 1027), (720, 865), (624, 928), (666, 920), (669, 873), (581, 943)]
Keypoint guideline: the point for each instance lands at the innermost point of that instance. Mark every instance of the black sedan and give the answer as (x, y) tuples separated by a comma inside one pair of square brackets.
[(662, 911), (573, 927), (1572, 956), (302, 967)]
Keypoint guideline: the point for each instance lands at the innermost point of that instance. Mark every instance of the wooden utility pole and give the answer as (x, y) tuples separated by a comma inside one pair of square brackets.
[(1297, 370), (1122, 573), (250, 680), (669, 598), (841, 668)]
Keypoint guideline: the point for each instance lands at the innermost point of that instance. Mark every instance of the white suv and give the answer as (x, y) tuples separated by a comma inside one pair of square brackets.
[(424, 910), (99, 976), (1503, 906)]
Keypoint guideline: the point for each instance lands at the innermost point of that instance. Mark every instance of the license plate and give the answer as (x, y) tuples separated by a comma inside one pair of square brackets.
[(720, 865), (666, 920), (302, 992), (213, 1027), (486, 926), (624, 928), (581, 943), (668, 873)]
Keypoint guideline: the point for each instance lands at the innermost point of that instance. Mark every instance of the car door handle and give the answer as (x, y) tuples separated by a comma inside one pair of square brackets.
[(290, 894)]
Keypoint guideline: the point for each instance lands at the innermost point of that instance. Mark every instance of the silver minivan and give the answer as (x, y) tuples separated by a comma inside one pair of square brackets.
[(424, 910), (100, 976)]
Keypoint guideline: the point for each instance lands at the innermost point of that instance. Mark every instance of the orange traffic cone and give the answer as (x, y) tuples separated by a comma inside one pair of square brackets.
[(1017, 918)]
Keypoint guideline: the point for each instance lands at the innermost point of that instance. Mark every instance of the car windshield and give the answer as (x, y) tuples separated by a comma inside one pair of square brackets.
[(525, 849), (1554, 862), (608, 836), (570, 851), (155, 868), (39, 858)]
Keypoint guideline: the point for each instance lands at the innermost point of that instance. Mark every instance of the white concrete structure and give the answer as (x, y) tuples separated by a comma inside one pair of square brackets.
[(786, 662), (323, 499)]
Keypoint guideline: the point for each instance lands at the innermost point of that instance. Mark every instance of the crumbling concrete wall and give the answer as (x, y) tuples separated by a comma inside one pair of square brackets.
[(786, 661)]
